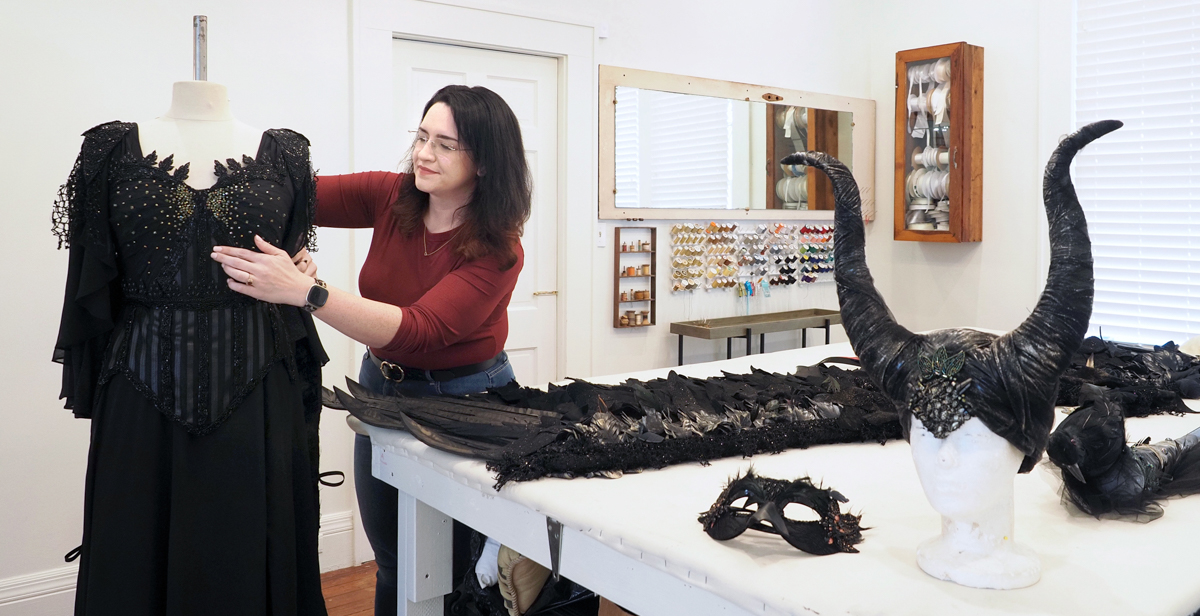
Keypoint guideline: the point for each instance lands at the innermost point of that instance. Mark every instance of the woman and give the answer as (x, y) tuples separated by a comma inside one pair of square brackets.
[(443, 261)]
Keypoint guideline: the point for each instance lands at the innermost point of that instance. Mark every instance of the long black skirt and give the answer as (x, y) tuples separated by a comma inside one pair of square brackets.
[(176, 524)]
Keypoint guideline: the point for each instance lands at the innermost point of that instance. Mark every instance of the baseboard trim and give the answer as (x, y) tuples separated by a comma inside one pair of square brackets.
[(37, 585), (336, 541), (337, 522), (337, 551)]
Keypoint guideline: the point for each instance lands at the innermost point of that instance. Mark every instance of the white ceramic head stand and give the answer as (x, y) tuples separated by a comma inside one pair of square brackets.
[(968, 479), (198, 129)]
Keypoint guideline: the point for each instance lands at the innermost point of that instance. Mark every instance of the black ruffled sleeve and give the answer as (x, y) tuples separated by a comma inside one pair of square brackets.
[(92, 301), (300, 232), (310, 354)]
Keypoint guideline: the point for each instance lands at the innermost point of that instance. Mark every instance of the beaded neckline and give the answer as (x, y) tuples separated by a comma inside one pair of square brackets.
[(165, 168)]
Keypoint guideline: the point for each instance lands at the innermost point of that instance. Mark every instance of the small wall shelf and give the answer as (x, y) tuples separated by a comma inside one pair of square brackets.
[(632, 264)]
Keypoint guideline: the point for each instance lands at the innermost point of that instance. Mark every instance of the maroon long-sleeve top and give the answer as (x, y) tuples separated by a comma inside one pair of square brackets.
[(455, 311)]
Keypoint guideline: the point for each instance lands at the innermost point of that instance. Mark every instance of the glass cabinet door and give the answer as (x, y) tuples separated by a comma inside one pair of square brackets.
[(939, 144)]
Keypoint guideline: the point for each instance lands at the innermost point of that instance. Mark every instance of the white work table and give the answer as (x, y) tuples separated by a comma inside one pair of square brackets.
[(636, 541)]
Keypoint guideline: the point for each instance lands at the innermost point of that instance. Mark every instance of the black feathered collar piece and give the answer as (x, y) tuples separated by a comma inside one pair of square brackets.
[(765, 500), (1009, 382)]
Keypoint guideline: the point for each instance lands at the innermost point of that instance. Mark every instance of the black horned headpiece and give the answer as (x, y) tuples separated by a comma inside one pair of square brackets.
[(948, 376)]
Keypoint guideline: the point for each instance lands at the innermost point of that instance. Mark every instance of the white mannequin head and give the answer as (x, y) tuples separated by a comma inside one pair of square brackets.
[(968, 473), (968, 479)]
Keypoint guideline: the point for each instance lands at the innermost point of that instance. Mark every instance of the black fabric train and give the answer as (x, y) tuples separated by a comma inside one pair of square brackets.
[(1142, 380)]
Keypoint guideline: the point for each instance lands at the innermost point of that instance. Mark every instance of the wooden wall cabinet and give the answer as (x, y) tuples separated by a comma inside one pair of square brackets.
[(939, 144), (636, 273)]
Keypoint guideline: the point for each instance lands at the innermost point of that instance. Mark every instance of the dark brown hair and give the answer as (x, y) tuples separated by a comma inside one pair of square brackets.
[(496, 214)]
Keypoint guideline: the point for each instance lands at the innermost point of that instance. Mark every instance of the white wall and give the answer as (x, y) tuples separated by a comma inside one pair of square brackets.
[(1027, 72), (67, 66), (764, 43), (1027, 60)]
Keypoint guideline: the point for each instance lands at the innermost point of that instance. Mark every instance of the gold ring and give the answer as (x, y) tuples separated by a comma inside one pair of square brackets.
[(250, 280)]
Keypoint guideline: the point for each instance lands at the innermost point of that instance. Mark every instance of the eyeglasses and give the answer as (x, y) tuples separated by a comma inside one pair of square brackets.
[(441, 147)]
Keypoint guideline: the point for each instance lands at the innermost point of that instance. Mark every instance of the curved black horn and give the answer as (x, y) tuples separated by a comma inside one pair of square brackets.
[(1042, 346), (874, 334)]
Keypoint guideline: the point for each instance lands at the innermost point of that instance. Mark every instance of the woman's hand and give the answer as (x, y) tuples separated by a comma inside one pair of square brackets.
[(269, 275), (305, 264)]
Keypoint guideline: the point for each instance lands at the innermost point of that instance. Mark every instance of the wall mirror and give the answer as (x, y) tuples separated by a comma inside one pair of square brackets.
[(676, 147)]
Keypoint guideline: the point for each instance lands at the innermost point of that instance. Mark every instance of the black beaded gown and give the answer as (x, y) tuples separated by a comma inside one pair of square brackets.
[(201, 487)]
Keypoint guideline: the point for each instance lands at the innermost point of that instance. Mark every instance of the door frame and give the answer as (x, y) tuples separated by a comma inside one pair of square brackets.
[(376, 23)]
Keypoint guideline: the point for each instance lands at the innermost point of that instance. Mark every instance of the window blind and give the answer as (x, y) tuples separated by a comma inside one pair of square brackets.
[(673, 150), (626, 148), (1139, 62), (690, 150)]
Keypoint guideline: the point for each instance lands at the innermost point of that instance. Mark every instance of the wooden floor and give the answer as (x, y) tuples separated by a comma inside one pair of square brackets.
[(351, 591)]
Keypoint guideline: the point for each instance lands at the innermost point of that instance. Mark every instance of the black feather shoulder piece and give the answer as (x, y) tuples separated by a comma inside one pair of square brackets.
[(1104, 476)]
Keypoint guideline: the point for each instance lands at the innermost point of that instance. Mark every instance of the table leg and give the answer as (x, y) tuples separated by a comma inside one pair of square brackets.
[(729, 348), (803, 338), (680, 350), (762, 344), (826, 331), (423, 558), (749, 337)]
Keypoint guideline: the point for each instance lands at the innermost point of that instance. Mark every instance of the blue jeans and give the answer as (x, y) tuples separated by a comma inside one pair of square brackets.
[(376, 499)]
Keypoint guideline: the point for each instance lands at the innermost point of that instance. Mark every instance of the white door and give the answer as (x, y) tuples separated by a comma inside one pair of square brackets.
[(529, 84)]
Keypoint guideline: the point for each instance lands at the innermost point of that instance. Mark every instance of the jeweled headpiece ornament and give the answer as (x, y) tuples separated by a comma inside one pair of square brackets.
[(939, 399), (1009, 382)]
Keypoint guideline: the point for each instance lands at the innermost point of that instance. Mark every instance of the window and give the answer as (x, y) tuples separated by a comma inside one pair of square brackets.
[(674, 150), (1139, 62), (626, 150)]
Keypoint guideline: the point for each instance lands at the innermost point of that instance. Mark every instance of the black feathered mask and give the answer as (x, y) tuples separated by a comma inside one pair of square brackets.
[(763, 501), (944, 378)]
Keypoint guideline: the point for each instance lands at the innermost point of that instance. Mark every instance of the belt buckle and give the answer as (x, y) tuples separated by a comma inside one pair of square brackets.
[(386, 368)]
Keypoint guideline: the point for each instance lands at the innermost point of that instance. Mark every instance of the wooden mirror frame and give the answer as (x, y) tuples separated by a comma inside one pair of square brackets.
[(863, 140)]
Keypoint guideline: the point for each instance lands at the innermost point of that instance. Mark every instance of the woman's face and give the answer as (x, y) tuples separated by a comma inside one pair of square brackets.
[(442, 168)]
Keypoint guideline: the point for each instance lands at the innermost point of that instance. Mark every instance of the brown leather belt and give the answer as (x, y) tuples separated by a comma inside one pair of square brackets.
[(396, 373)]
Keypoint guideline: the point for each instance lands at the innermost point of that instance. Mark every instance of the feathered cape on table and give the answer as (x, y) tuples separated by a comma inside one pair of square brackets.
[(585, 429)]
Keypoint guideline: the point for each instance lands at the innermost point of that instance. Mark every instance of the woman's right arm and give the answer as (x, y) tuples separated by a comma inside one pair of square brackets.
[(352, 201)]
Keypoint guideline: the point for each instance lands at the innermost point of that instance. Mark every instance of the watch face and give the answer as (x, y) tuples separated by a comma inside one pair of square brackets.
[(317, 296)]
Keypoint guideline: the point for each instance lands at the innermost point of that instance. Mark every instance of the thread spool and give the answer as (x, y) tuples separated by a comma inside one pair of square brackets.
[(941, 70), (939, 100)]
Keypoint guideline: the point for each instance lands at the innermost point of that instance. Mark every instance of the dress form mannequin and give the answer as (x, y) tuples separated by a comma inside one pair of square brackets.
[(968, 479), (198, 129)]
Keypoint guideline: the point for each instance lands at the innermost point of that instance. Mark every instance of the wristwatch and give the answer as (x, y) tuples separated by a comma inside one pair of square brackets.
[(317, 295)]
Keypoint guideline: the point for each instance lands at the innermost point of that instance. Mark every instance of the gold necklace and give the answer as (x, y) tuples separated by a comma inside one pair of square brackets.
[(425, 243)]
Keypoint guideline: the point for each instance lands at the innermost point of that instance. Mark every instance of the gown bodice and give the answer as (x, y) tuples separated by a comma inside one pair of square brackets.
[(177, 331)]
